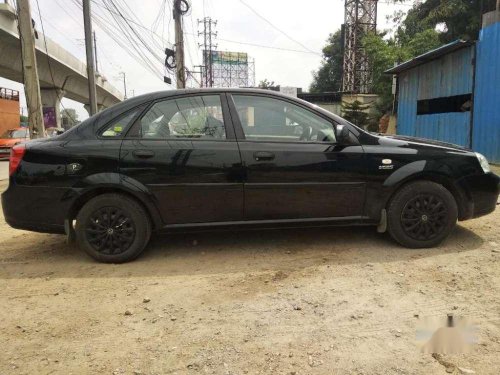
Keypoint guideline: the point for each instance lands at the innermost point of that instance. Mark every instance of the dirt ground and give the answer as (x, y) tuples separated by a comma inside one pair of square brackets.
[(311, 301)]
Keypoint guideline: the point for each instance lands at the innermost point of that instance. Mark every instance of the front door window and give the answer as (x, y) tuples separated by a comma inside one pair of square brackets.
[(274, 120)]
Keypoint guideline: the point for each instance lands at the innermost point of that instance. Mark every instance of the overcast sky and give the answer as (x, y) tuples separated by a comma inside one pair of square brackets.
[(303, 24)]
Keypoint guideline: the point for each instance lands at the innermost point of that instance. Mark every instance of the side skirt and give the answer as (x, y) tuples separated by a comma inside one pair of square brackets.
[(272, 224)]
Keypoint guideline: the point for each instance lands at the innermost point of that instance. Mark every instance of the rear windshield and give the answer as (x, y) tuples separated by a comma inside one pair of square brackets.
[(18, 133)]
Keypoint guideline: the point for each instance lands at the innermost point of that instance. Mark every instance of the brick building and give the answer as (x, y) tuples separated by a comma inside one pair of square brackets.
[(9, 109)]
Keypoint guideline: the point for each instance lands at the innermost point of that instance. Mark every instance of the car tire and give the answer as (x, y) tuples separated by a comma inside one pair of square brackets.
[(421, 214), (113, 228)]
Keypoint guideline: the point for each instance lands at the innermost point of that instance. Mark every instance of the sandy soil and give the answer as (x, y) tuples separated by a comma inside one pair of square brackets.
[(312, 301)]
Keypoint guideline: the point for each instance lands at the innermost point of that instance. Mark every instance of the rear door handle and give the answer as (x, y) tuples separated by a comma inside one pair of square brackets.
[(263, 155), (143, 154)]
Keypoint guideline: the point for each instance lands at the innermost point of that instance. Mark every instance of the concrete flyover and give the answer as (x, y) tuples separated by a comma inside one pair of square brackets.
[(65, 76)]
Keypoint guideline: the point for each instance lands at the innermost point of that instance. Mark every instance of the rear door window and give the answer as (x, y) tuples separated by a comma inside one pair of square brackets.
[(118, 126), (195, 117)]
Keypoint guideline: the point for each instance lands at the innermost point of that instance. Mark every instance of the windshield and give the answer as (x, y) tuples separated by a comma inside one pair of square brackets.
[(18, 133)]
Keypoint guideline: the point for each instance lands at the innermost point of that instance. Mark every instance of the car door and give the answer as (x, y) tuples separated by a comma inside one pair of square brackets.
[(184, 151), (294, 167)]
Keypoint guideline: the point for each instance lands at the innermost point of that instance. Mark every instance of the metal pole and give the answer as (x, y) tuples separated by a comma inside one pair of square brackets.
[(179, 46), (87, 23), (30, 71), (124, 84), (95, 53)]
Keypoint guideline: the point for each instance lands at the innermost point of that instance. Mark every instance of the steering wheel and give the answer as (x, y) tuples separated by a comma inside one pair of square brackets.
[(306, 133)]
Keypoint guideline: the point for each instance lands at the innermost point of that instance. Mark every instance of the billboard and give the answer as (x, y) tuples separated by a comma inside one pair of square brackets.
[(49, 117), (230, 58)]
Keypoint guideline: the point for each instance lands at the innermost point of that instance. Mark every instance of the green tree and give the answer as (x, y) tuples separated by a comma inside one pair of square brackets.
[(383, 53), (329, 75), (356, 112), (460, 19)]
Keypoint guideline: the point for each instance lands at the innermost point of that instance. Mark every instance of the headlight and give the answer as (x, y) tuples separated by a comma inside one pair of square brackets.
[(484, 162)]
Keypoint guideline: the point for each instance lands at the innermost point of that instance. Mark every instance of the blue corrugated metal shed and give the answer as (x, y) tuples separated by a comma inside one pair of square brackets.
[(486, 125), (447, 72), (443, 72)]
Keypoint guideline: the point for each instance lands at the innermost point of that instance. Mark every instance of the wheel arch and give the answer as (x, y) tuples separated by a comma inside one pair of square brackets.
[(95, 191), (461, 196)]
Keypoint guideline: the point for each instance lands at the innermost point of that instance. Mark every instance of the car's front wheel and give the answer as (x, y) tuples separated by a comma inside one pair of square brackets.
[(113, 228), (421, 214)]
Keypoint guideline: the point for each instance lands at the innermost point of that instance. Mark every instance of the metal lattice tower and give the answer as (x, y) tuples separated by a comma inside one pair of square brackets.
[(360, 19), (233, 69), (207, 79)]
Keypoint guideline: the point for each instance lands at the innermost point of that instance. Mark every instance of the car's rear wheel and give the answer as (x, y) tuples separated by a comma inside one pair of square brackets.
[(113, 228), (421, 214)]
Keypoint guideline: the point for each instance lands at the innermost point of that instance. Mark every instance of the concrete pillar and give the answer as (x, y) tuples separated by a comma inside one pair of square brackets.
[(100, 107), (51, 102)]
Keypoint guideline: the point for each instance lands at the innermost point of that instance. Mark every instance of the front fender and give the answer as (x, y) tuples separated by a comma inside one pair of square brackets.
[(431, 170), (405, 172)]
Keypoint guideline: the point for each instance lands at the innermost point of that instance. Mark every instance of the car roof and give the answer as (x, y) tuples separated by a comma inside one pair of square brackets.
[(168, 93)]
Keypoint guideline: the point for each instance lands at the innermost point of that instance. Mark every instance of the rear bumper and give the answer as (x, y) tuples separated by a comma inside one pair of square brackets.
[(38, 209), (482, 194)]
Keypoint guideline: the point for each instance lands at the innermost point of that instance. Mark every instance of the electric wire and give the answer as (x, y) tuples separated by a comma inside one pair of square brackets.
[(277, 28)]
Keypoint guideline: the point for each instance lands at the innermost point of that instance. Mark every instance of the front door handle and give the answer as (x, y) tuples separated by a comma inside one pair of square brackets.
[(263, 155), (143, 154)]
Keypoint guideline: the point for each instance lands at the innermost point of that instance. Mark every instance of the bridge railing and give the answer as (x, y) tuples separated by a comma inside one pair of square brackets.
[(9, 94)]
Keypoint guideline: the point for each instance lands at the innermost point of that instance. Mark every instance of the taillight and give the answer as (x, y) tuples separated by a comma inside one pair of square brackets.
[(16, 155)]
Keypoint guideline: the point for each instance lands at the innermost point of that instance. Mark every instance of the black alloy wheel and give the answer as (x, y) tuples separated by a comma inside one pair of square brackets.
[(113, 228), (424, 217), (110, 230), (421, 214)]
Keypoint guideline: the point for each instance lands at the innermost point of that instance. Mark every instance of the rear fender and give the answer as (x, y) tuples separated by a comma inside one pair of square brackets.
[(102, 183)]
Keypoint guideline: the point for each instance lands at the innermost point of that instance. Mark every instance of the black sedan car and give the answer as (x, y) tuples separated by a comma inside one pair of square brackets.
[(220, 158)]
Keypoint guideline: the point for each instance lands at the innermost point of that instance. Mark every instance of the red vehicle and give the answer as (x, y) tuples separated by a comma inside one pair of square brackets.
[(11, 138)]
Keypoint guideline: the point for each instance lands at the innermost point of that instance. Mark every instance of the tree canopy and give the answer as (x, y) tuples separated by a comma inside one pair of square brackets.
[(458, 19), (329, 76)]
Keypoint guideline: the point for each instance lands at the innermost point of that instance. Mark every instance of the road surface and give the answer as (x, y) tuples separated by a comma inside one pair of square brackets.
[(4, 170)]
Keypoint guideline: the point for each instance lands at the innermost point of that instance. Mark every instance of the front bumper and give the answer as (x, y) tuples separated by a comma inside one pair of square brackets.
[(482, 194)]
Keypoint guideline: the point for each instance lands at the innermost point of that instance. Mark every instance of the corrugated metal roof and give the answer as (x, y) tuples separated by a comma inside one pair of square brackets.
[(429, 56)]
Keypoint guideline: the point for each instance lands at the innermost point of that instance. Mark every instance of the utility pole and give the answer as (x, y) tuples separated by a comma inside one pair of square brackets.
[(179, 44), (124, 84), (87, 24), (30, 71), (208, 47), (95, 53)]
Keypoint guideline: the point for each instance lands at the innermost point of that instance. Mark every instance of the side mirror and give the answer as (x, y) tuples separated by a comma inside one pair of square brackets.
[(342, 134)]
